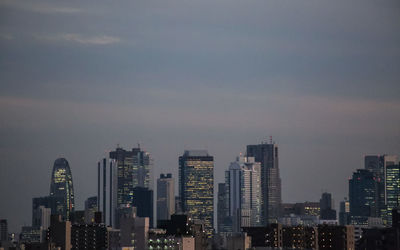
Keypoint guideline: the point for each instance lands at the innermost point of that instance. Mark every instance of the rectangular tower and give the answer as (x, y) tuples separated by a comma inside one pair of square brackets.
[(267, 155), (133, 170), (196, 186), (165, 197)]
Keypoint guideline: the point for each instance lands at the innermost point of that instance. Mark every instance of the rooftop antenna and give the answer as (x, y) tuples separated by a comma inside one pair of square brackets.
[(270, 139)]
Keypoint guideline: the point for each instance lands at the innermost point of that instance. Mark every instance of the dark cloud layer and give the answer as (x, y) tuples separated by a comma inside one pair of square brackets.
[(79, 77)]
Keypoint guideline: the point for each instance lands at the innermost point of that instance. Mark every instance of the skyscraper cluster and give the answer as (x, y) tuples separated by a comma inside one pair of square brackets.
[(251, 194), (127, 213), (374, 191)]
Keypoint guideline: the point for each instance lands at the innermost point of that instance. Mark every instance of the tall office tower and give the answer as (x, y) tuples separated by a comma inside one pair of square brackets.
[(3, 230), (61, 187), (363, 197), (243, 180), (267, 155), (196, 186), (326, 204), (392, 183), (165, 197), (224, 222), (378, 164), (133, 170), (90, 209)]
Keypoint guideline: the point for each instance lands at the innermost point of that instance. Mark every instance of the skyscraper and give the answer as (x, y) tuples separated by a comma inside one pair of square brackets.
[(165, 197), (378, 165), (392, 184), (133, 170), (224, 221), (267, 155), (243, 181), (62, 188), (326, 205), (363, 196), (196, 186)]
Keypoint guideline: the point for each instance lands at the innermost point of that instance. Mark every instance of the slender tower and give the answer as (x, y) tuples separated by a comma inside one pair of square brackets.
[(111, 189), (104, 190), (98, 186)]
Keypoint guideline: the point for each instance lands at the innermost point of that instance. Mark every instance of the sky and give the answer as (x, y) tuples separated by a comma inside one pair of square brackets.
[(78, 78)]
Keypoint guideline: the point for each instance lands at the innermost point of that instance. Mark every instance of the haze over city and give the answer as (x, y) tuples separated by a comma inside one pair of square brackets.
[(78, 78)]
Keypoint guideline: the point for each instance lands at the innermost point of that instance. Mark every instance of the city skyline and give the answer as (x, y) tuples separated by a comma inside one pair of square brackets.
[(77, 79)]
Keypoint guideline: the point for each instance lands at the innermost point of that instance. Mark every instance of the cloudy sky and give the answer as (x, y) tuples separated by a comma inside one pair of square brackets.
[(79, 77)]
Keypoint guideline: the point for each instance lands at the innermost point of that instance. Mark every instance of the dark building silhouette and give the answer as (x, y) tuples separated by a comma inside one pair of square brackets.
[(300, 237), (267, 155), (326, 211), (59, 233), (89, 236), (143, 201), (3, 230), (224, 220), (90, 209), (269, 236), (62, 189), (335, 237), (363, 196)]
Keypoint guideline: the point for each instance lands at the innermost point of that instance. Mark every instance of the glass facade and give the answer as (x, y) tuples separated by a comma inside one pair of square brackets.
[(363, 197), (392, 182), (133, 170), (62, 189), (196, 187), (267, 155)]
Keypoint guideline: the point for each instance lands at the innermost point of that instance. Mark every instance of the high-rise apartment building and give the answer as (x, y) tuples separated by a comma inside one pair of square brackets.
[(165, 197), (267, 155), (133, 170), (62, 188), (196, 186), (243, 180)]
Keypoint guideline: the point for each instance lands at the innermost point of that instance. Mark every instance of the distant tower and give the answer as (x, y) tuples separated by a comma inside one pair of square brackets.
[(62, 188), (196, 186), (243, 183), (3, 230), (267, 155), (133, 170), (326, 204), (363, 196), (165, 197), (385, 170)]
